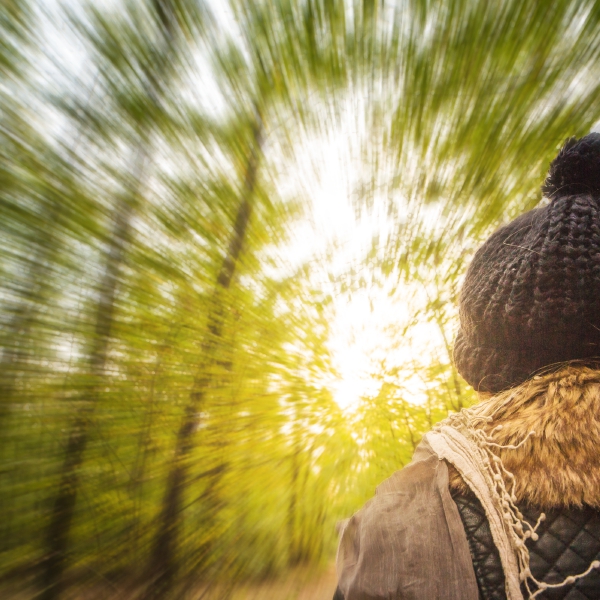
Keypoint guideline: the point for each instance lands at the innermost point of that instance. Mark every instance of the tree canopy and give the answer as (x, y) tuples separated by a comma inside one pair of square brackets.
[(232, 241)]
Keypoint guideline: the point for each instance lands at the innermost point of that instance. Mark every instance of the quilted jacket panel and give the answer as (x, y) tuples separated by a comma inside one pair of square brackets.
[(486, 558), (569, 540)]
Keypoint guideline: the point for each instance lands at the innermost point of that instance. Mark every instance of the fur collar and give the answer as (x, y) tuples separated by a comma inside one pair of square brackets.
[(559, 466)]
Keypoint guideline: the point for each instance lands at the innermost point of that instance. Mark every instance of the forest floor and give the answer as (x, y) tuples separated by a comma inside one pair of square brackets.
[(296, 587), (300, 584)]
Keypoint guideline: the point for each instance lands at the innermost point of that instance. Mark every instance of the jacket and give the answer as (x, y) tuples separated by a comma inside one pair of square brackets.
[(416, 539)]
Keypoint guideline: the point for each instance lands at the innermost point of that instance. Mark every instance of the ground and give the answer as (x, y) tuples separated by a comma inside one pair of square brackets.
[(298, 587), (301, 584)]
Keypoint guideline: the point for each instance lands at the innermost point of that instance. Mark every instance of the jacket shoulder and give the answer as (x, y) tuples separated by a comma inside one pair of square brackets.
[(402, 544)]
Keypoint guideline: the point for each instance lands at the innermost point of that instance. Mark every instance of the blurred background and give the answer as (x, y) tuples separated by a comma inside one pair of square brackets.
[(232, 235)]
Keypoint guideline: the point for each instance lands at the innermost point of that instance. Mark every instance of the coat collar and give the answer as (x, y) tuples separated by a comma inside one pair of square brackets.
[(559, 466)]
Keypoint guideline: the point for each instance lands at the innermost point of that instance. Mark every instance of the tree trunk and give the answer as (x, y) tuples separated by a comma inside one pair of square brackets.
[(64, 505), (293, 536), (63, 510), (164, 559)]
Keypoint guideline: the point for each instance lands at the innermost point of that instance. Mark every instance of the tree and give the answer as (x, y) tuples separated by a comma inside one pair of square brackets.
[(166, 375), (164, 556), (155, 63)]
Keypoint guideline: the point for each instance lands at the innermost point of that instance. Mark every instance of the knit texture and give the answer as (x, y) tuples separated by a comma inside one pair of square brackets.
[(531, 297)]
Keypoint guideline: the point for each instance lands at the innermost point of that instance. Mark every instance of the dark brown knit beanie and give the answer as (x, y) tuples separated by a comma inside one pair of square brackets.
[(531, 297)]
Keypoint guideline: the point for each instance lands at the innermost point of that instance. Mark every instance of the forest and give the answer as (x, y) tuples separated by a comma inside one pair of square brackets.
[(232, 238)]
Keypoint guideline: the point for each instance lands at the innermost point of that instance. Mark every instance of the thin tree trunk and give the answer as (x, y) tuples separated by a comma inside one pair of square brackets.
[(64, 505), (293, 544), (63, 510), (138, 472), (164, 559), (413, 441)]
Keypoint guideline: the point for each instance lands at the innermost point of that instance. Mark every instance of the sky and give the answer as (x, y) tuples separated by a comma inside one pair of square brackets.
[(365, 322)]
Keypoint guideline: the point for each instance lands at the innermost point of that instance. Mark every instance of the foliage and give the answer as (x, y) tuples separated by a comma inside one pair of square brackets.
[(167, 377)]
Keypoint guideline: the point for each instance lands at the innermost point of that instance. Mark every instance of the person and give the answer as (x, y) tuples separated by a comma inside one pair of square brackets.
[(502, 500)]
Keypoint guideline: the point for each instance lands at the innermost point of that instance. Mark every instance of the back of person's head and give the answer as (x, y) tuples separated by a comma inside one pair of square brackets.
[(531, 297)]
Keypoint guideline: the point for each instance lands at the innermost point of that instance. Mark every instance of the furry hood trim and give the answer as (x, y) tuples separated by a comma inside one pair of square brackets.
[(559, 466)]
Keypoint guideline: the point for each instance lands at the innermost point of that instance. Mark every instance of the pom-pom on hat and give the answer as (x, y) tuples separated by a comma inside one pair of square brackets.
[(531, 297)]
